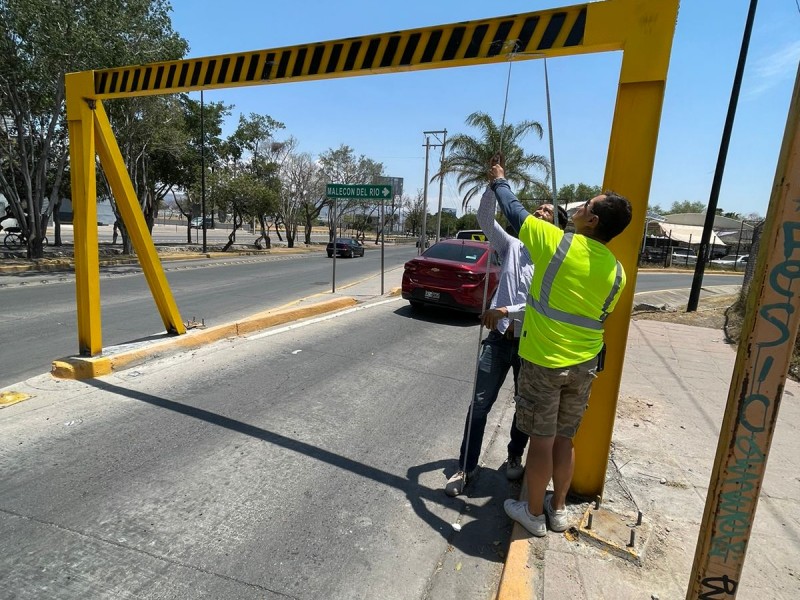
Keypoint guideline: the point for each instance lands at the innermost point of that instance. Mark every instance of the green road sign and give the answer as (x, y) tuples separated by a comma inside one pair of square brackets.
[(371, 193)]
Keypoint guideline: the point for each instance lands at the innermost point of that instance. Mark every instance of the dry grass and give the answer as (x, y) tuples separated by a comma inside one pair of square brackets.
[(710, 313)]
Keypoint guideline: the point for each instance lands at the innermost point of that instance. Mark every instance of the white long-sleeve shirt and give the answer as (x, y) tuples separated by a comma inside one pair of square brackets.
[(516, 267)]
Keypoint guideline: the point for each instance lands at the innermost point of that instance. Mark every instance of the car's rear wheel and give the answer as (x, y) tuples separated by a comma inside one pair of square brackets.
[(416, 304), (330, 254)]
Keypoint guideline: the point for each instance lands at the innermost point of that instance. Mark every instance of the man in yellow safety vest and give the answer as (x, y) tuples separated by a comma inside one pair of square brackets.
[(576, 284)]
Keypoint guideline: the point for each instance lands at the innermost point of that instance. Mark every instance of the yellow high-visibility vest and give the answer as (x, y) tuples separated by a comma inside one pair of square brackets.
[(576, 284)]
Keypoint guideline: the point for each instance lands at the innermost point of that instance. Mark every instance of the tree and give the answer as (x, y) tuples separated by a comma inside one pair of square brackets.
[(449, 224), (151, 134), (342, 166), (304, 192), (413, 208), (686, 206), (733, 215), (185, 167), (577, 193), (468, 221), (469, 157), (252, 151), (41, 41), (244, 194)]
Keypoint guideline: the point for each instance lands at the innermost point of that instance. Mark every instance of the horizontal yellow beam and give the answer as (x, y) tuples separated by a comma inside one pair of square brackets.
[(549, 32)]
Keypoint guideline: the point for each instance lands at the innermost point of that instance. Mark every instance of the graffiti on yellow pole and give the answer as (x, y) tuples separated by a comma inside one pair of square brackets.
[(765, 350)]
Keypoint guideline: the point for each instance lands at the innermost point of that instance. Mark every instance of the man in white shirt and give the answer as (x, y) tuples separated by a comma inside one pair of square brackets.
[(500, 348)]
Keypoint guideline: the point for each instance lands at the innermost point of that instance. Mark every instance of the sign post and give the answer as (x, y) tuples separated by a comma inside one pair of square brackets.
[(372, 194)]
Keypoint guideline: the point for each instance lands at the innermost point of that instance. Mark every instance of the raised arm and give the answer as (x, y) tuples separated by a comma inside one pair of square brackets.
[(511, 207), (497, 236)]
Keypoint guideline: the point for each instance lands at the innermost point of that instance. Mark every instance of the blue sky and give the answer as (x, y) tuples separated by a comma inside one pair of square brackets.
[(384, 116)]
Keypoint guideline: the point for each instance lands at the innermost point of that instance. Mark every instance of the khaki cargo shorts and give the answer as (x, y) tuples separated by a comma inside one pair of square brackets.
[(552, 401)]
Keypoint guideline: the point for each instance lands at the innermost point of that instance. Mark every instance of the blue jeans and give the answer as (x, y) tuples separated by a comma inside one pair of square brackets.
[(498, 355)]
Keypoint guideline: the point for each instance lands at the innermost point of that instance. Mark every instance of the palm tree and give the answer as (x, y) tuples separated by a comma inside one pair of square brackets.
[(469, 157)]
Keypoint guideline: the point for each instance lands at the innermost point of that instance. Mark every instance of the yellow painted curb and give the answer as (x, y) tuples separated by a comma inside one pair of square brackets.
[(516, 581), (10, 397), (78, 367)]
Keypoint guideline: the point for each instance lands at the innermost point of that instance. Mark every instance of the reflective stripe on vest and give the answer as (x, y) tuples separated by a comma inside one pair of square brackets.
[(542, 306)]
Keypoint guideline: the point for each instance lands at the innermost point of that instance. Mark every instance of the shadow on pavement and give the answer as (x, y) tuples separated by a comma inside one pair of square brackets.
[(477, 537), (440, 316), (485, 529)]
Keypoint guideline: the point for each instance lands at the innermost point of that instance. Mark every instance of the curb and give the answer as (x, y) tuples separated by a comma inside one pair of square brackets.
[(79, 367), (516, 579)]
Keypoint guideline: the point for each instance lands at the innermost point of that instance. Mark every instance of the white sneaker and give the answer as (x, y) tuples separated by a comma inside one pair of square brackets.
[(557, 518), (518, 510)]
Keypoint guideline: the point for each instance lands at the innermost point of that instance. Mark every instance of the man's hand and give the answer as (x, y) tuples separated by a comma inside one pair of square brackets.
[(491, 317), (498, 172)]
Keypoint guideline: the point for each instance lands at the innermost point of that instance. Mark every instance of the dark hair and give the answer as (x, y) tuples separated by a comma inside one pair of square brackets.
[(563, 217), (614, 214)]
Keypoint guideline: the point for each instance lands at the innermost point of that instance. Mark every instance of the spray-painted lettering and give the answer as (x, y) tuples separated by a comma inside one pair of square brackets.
[(718, 587), (787, 271), (778, 321), (790, 242), (753, 412), (738, 495), (744, 468)]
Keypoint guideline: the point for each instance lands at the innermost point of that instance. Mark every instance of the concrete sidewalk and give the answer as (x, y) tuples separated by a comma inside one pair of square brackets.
[(672, 399)]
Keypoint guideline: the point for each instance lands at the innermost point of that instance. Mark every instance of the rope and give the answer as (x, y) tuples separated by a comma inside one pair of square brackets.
[(498, 156)]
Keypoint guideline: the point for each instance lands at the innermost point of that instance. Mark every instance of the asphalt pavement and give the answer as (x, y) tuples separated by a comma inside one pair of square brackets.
[(672, 396)]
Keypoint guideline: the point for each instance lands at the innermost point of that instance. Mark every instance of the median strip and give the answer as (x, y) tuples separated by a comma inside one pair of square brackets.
[(120, 357)]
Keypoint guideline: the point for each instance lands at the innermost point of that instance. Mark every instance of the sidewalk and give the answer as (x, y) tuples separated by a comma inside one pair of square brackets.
[(672, 399)]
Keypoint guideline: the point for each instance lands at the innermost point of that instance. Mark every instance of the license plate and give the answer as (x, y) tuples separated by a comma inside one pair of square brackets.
[(431, 295)]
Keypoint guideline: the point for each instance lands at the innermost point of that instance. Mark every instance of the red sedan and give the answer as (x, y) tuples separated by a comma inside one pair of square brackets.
[(451, 274)]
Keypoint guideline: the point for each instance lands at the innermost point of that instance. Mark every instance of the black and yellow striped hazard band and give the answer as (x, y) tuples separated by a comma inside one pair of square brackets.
[(473, 42)]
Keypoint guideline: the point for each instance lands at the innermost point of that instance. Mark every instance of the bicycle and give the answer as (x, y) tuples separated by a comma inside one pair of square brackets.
[(14, 239)]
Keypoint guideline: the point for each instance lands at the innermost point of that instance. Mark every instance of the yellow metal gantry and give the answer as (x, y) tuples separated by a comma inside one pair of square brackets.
[(641, 29)]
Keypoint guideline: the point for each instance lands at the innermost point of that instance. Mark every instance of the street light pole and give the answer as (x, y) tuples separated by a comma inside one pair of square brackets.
[(203, 170)]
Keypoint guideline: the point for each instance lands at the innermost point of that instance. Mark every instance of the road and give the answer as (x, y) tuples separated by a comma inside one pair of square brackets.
[(302, 465), (39, 309), (39, 322)]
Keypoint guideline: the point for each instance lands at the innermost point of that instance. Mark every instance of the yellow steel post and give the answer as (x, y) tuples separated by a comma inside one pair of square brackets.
[(765, 351), (647, 29), (132, 217), (79, 91)]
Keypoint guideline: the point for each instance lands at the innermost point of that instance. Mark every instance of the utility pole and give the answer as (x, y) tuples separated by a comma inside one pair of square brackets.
[(711, 209), (441, 145), (424, 235), (443, 133)]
